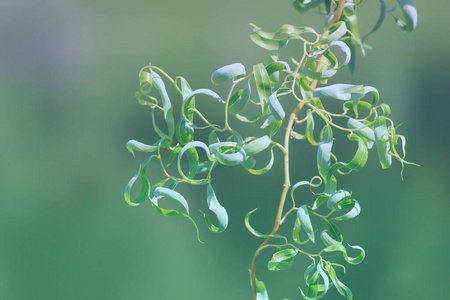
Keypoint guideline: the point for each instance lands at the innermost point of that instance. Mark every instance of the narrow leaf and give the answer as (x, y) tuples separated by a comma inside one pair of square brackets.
[(256, 233), (145, 188), (161, 192), (382, 142), (133, 145), (227, 72), (217, 209), (237, 104), (303, 216), (282, 260), (263, 86), (257, 145)]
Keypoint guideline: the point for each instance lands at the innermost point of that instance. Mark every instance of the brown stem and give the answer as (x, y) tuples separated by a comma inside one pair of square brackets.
[(287, 181)]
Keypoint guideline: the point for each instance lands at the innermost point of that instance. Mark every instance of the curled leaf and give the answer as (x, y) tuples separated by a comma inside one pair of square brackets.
[(410, 13), (363, 130), (185, 106), (166, 104), (303, 216), (262, 171), (161, 192), (217, 209), (344, 47), (192, 159), (239, 101), (275, 107), (133, 145), (145, 188), (263, 86), (257, 145), (382, 142), (282, 260), (227, 72), (351, 260), (256, 233)]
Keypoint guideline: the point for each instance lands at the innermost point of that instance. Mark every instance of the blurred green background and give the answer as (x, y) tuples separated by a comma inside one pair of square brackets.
[(68, 73)]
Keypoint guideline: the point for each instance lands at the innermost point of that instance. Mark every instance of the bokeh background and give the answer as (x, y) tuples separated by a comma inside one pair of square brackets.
[(68, 73)]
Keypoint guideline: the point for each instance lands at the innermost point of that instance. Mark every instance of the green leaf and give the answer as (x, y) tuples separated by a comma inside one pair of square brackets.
[(282, 260), (276, 40), (358, 161), (263, 86), (261, 291), (275, 127), (251, 119), (340, 91), (355, 209), (185, 106), (324, 152), (267, 43), (302, 183), (296, 233), (380, 21), (213, 148), (192, 156), (346, 289), (305, 89), (319, 75), (257, 145), (184, 132), (308, 271), (184, 86), (365, 131), (213, 138), (327, 239), (166, 104), (217, 209), (340, 248), (256, 233), (335, 32), (277, 66), (315, 287), (344, 47), (334, 231), (145, 188), (337, 197), (133, 145), (174, 154), (275, 107), (320, 200), (410, 14), (192, 160), (303, 216), (158, 131), (351, 44), (303, 6), (382, 142), (332, 273), (204, 167), (239, 100), (309, 133), (161, 192), (145, 82), (227, 153), (264, 170), (227, 72)]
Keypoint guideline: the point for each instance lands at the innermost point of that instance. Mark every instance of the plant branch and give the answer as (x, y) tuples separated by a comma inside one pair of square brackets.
[(287, 182)]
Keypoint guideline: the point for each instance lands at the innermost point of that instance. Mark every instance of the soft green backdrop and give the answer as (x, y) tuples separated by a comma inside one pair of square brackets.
[(68, 73)]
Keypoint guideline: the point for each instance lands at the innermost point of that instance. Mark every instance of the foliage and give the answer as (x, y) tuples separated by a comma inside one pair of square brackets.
[(269, 88)]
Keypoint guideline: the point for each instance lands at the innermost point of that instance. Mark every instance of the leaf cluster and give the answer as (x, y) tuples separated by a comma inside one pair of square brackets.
[(266, 90)]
